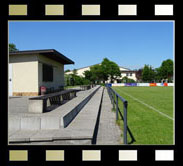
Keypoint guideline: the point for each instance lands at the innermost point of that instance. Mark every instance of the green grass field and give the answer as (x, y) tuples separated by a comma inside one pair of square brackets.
[(150, 114)]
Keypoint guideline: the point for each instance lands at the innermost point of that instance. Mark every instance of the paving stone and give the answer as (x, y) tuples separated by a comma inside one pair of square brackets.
[(44, 135), (21, 136), (108, 132)]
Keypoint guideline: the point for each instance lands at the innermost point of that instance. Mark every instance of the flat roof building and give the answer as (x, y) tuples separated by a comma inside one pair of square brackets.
[(31, 69)]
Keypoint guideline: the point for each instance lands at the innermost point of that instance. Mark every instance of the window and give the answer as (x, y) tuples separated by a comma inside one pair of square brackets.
[(47, 73), (127, 74), (130, 74)]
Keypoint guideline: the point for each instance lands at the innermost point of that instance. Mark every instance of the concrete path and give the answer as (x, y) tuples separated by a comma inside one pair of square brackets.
[(79, 132), (109, 132), (20, 119), (81, 129)]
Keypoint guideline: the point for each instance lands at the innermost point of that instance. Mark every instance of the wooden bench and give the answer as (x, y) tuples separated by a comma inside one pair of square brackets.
[(39, 104)]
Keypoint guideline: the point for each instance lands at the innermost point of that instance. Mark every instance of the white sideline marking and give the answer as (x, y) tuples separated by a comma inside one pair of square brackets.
[(148, 106)]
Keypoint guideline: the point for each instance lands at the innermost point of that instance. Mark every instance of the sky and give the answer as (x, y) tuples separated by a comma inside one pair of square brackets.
[(129, 44)]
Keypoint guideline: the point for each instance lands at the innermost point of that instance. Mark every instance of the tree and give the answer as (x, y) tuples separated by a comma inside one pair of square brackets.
[(127, 80), (166, 69), (139, 74), (68, 70), (110, 70), (75, 71), (105, 67), (148, 74), (67, 79), (158, 76), (104, 71), (97, 73), (114, 71), (88, 75), (12, 47), (72, 80)]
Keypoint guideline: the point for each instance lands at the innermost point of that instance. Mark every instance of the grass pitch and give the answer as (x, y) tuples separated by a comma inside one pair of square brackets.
[(150, 114)]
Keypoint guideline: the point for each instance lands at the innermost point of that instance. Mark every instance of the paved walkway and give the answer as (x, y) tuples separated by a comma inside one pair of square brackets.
[(81, 127), (78, 132), (109, 132)]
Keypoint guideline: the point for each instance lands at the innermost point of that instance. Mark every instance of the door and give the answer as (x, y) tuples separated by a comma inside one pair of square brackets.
[(10, 86)]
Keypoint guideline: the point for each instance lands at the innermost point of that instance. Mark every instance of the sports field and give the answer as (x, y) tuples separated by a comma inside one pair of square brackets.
[(150, 114)]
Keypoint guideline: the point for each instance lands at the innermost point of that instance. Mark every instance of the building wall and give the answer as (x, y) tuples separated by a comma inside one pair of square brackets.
[(27, 74), (58, 72), (133, 76), (80, 72), (123, 69), (24, 75)]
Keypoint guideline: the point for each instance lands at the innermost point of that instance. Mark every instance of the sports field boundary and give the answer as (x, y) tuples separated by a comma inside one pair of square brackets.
[(147, 105), (141, 84)]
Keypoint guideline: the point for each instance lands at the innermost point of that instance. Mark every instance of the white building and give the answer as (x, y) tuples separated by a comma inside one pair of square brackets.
[(29, 70), (124, 72)]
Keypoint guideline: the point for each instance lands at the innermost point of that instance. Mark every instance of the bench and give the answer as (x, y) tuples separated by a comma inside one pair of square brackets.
[(58, 118), (39, 104), (66, 123)]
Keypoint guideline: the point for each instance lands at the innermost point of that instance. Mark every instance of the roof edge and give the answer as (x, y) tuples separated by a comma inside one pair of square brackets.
[(42, 52)]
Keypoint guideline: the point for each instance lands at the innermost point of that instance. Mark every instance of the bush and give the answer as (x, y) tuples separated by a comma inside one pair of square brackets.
[(102, 84), (127, 80), (71, 80)]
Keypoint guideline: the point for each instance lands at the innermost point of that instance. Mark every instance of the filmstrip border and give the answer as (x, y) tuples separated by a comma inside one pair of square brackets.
[(92, 155), (122, 10), (91, 10)]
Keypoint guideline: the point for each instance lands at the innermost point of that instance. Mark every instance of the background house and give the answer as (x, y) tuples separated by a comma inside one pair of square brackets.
[(125, 72), (29, 70)]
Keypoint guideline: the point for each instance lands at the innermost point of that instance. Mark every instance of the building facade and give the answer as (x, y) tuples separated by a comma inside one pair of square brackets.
[(32, 69)]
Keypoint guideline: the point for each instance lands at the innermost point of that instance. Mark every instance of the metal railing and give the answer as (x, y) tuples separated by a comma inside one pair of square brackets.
[(114, 97)]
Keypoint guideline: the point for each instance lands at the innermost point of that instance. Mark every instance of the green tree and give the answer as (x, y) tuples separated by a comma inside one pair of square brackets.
[(158, 76), (67, 70), (97, 73), (166, 69), (105, 68), (77, 80), (114, 71), (104, 71), (12, 47), (86, 81), (139, 74), (127, 80), (148, 74), (72, 80), (110, 70), (88, 75), (75, 71), (67, 79)]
